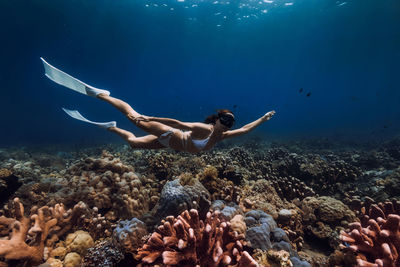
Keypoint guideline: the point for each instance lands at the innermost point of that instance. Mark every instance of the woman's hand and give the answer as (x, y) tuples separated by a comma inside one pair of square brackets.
[(267, 116), (142, 118)]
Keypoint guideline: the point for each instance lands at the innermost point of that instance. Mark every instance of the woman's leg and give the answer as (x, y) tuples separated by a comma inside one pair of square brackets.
[(126, 135), (145, 142), (152, 127)]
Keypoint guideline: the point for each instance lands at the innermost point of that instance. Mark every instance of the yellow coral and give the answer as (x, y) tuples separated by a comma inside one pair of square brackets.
[(58, 253), (187, 179), (281, 257), (72, 259), (261, 258), (79, 242), (5, 173), (209, 173), (54, 262), (238, 224)]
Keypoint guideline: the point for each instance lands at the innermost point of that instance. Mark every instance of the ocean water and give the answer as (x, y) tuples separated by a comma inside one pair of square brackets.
[(185, 59), (329, 157)]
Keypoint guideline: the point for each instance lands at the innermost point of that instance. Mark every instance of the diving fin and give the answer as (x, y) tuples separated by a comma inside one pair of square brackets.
[(62, 78), (76, 115)]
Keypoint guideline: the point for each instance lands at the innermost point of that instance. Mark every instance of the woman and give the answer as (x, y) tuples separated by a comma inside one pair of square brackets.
[(191, 137)]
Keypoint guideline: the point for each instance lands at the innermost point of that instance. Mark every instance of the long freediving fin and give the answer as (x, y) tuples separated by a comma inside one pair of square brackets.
[(62, 78), (78, 116)]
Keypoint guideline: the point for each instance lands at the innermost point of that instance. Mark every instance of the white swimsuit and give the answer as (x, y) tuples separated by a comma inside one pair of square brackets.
[(199, 144)]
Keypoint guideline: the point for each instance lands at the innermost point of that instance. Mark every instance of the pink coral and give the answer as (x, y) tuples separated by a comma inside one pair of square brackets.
[(188, 241), (377, 241)]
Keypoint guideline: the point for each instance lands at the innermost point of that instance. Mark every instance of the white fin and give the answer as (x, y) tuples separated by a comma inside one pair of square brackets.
[(62, 78), (76, 115)]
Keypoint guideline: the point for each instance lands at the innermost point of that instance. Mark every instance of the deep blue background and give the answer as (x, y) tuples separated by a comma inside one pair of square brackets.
[(168, 65)]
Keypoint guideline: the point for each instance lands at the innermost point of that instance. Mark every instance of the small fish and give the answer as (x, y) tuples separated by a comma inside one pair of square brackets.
[(387, 125), (353, 98), (235, 106), (308, 94), (301, 90)]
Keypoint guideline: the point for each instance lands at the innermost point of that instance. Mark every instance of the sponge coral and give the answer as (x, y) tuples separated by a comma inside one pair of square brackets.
[(189, 241), (377, 241)]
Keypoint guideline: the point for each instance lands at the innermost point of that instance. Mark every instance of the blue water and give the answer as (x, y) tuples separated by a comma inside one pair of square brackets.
[(186, 59)]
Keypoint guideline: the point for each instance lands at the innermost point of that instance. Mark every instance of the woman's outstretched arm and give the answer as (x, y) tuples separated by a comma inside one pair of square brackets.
[(248, 127)]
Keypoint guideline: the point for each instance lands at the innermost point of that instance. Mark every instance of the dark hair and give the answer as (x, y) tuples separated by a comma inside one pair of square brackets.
[(212, 119)]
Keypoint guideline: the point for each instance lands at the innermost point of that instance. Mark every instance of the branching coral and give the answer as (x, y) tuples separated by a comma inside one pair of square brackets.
[(376, 241), (28, 236), (189, 241)]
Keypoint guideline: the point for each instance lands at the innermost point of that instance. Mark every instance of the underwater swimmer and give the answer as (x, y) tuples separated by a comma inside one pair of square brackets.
[(191, 137)]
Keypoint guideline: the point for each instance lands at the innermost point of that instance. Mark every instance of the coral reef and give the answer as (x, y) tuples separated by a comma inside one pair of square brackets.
[(219, 188), (342, 258), (234, 165), (72, 259), (259, 227), (319, 172), (290, 188), (29, 235), (324, 217), (377, 238), (282, 257), (291, 222), (189, 241), (79, 242), (164, 164), (284, 180), (392, 147), (69, 252), (108, 184), (104, 184), (227, 210), (390, 183), (9, 183), (130, 235), (182, 194), (238, 224), (261, 195), (105, 253)]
